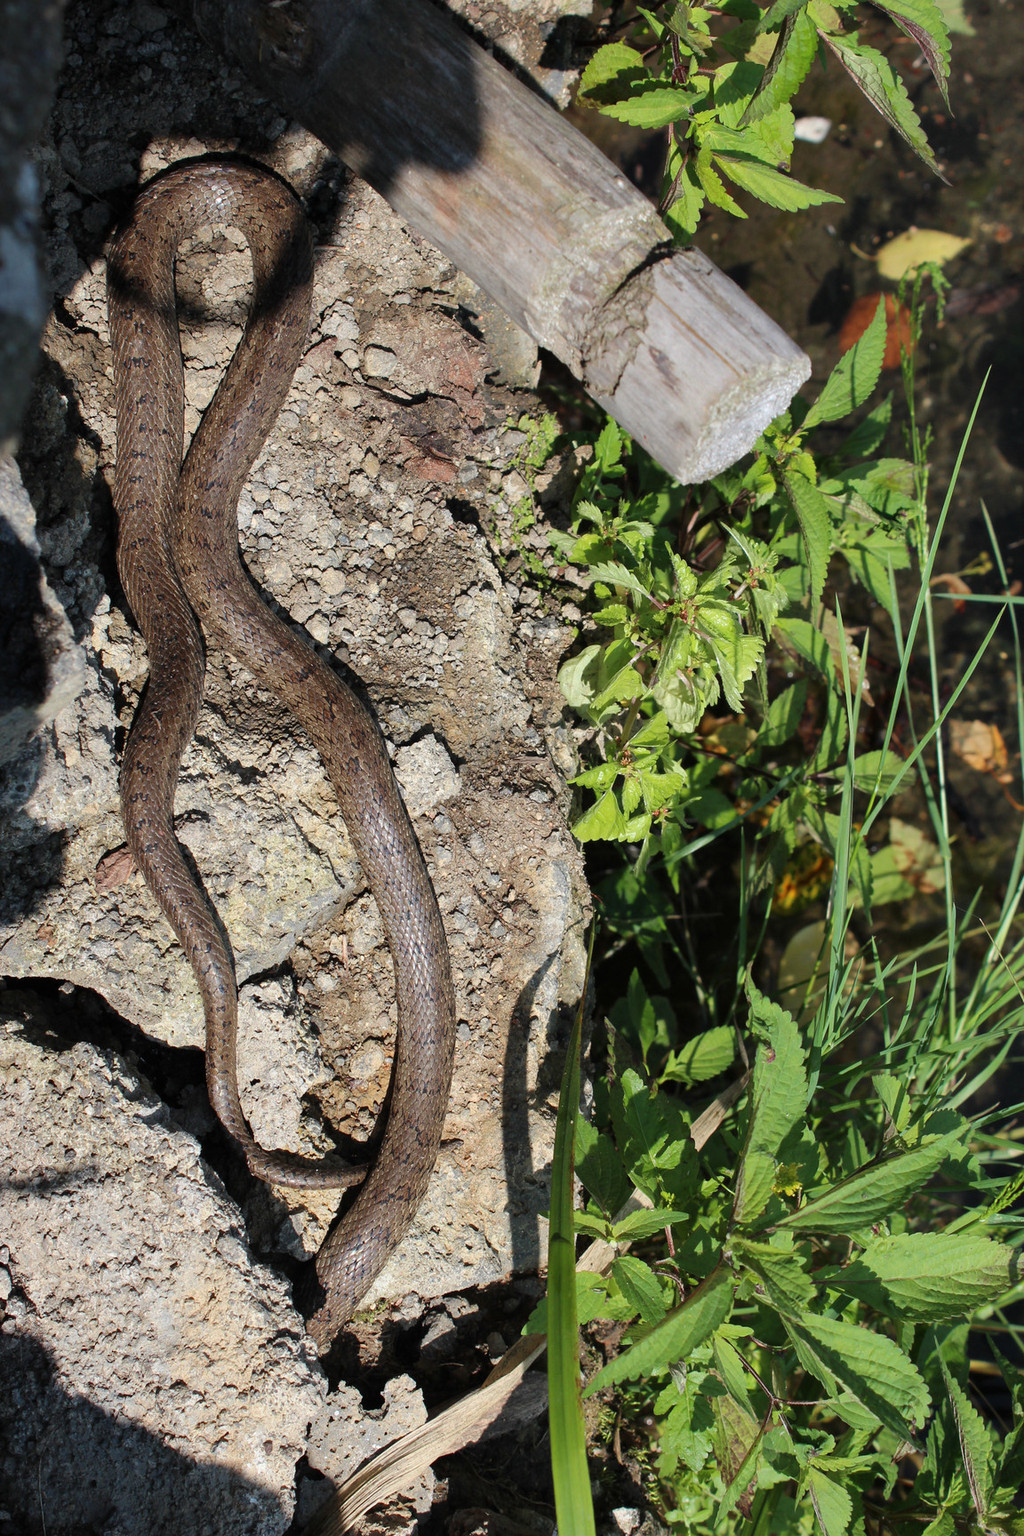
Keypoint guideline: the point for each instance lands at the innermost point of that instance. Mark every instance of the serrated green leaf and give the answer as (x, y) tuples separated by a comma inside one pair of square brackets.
[(873, 770), (924, 22), (712, 185), (640, 1224), (872, 1193), (884, 89), (887, 486), (975, 1443), (783, 715), (614, 613), (576, 677), (603, 819), (788, 66), (754, 1184), (705, 1056), (615, 62), (812, 514), (616, 575), (873, 567), (808, 642), (640, 1286), (650, 106), (608, 448), (738, 657), (673, 1339), (773, 187), (730, 1367), (927, 1277), (655, 1141), (600, 1168), (873, 1369), (854, 376), (591, 1303), (832, 1505), (779, 1090), (781, 1273), (687, 1425), (868, 436), (683, 701), (776, 14)]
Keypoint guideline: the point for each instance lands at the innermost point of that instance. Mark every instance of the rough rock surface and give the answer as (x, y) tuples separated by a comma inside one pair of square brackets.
[(153, 1377), (362, 522)]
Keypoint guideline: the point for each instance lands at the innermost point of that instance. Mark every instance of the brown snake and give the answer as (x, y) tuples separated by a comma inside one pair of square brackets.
[(180, 565)]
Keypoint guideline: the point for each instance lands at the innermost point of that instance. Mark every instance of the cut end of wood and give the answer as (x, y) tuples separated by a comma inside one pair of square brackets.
[(709, 373)]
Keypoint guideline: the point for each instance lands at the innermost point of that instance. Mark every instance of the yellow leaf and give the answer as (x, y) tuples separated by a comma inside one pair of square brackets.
[(914, 246), (981, 746)]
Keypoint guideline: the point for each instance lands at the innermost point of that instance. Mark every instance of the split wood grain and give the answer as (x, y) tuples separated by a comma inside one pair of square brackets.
[(530, 210)]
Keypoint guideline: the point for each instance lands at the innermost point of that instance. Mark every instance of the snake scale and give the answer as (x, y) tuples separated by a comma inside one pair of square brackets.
[(182, 573)]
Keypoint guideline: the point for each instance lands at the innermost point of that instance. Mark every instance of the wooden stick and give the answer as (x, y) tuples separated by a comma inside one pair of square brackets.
[(530, 210)]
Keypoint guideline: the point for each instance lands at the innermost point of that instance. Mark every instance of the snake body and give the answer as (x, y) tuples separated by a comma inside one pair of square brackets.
[(183, 576)]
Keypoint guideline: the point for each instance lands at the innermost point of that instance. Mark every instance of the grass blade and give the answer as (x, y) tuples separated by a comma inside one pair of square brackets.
[(573, 1504)]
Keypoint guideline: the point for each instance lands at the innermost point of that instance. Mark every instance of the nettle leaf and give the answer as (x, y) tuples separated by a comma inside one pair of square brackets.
[(809, 643), (613, 65), (592, 1302), (640, 1286), (783, 715), (661, 789), (873, 564), (609, 445), (644, 1223), (612, 615), (788, 66), (812, 514), (869, 434), (927, 1277), (602, 821), (755, 1184), (705, 1056), (782, 1273), (616, 575), (975, 1443), (832, 1505), (773, 187), (674, 1338), (686, 1423), (885, 90), (601, 776), (777, 13), (887, 486), (654, 1137), (854, 376), (651, 106), (684, 697), (599, 1167), (872, 1193), (876, 770), (577, 677), (714, 189), (779, 1091), (738, 657), (873, 1369), (688, 196), (924, 22)]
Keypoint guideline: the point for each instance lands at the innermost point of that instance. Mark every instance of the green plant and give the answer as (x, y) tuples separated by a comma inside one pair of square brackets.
[(809, 1286), (720, 79), (812, 1283), (694, 587)]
